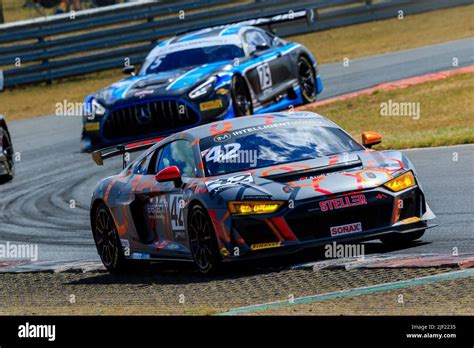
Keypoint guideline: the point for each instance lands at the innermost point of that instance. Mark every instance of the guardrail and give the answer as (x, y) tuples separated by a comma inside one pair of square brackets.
[(44, 49)]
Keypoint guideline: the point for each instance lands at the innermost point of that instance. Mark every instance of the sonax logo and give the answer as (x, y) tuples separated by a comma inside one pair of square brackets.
[(345, 229)]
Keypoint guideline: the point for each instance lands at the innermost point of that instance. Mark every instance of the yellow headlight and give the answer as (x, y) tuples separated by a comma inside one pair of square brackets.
[(254, 207), (401, 182)]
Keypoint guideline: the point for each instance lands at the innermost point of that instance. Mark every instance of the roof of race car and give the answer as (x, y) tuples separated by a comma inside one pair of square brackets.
[(220, 127), (223, 31), (226, 35)]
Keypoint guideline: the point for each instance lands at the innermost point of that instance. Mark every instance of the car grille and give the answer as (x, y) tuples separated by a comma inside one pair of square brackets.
[(309, 226), (152, 117)]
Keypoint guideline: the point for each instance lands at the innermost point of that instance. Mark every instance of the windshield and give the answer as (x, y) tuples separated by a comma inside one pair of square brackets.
[(191, 57), (255, 148)]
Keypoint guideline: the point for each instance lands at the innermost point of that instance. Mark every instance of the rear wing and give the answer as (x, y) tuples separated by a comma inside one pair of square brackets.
[(124, 150), (290, 16)]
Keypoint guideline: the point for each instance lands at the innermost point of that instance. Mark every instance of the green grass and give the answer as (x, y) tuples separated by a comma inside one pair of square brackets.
[(390, 35), (446, 114)]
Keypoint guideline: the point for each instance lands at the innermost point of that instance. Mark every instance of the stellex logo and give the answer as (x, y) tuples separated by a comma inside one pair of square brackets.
[(342, 202), (37, 331)]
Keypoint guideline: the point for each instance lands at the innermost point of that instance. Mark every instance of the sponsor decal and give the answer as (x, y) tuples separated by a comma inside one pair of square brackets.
[(92, 126), (235, 180), (222, 137), (381, 196), (224, 251), (249, 130), (265, 245), (144, 93), (346, 229), (186, 45), (211, 104), (140, 256), (410, 220), (371, 175), (257, 197), (222, 91), (342, 202), (319, 176), (156, 207)]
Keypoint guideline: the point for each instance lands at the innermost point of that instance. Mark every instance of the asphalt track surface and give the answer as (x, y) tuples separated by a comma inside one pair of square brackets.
[(48, 201)]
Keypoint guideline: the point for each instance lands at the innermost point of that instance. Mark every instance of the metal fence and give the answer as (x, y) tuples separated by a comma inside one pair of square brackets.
[(44, 49)]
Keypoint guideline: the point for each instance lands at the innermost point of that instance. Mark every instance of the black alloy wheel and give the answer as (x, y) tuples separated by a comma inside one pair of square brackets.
[(203, 241), (241, 97), (8, 155), (307, 80), (107, 240)]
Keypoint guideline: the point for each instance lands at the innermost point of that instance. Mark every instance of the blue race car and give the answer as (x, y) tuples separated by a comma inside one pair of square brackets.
[(200, 77)]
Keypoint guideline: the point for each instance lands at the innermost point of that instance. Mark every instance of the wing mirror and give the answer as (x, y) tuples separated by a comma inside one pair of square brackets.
[(262, 47), (259, 48), (169, 174), (370, 139), (129, 70)]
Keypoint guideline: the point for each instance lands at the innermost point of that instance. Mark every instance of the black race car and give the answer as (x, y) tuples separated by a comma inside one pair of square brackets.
[(7, 163)]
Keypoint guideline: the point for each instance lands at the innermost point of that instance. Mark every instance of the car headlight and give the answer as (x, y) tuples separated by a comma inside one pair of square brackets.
[(203, 88), (401, 182), (254, 207), (94, 108)]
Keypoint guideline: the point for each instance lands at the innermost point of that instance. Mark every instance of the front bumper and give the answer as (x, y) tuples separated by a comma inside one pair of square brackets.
[(293, 247), (158, 117), (308, 226)]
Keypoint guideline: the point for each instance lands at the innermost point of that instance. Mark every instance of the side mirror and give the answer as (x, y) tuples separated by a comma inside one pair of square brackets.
[(261, 47), (169, 174), (129, 70), (370, 139)]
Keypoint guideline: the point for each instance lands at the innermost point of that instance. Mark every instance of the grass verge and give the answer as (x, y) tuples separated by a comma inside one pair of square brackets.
[(446, 114), (390, 35), (328, 46)]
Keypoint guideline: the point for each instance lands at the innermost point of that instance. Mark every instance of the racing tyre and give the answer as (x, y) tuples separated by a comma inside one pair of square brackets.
[(307, 80), (397, 239), (8, 162), (203, 241), (241, 99), (107, 241)]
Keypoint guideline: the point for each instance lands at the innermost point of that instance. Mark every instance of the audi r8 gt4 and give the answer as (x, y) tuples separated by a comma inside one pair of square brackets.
[(199, 77), (252, 187), (6, 154)]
